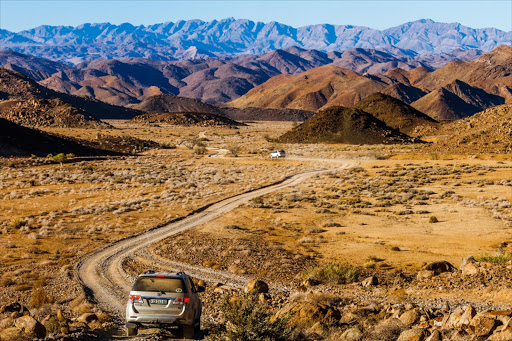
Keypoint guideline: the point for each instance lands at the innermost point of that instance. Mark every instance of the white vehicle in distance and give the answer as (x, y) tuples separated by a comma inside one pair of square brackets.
[(277, 154)]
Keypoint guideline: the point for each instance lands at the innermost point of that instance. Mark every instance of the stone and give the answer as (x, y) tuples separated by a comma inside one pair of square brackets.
[(410, 317), (424, 274), (318, 328), (416, 334), (310, 283), (370, 281), (440, 267), (11, 334), (435, 336), (6, 323), (470, 269), (307, 313), (352, 334), (483, 324), (87, 318), (256, 286), (30, 326), (504, 335)]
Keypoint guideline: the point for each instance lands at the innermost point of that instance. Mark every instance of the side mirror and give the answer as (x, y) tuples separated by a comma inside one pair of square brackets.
[(200, 288)]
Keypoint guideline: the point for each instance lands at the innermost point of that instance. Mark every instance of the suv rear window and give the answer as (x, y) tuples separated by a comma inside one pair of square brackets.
[(167, 284)]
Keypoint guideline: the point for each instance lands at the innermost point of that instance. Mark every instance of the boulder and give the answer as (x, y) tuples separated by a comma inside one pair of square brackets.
[(370, 281), (483, 324), (460, 317), (256, 286), (410, 317), (30, 326), (503, 335), (424, 274), (6, 323), (416, 334), (11, 334), (306, 313), (440, 267), (435, 336), (87, 318), (352, 334)]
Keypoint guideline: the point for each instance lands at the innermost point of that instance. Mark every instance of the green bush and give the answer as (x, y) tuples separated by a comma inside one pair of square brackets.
[(497, 258), (61, 157), (249, 319), (333, 274), (18, 223)]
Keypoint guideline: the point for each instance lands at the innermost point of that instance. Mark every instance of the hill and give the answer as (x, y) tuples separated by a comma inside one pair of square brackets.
[(394, 113), (16, 140), (170, 103), (187, 119), (489, 131), (16, 86), (344, 125)]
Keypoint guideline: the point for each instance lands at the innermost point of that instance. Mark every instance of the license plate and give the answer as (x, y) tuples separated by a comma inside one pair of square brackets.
[(157, 301)]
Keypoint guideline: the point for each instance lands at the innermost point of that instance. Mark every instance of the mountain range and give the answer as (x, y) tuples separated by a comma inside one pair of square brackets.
[(194, 39)]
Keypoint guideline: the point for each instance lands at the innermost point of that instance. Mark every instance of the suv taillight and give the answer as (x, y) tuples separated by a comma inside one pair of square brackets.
[(181, 300), (136, 299)]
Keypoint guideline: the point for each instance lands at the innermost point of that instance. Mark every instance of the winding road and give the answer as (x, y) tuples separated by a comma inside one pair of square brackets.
[(102, 275)]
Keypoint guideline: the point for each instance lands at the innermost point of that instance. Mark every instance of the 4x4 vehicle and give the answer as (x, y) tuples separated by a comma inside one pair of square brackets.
[(160, 300), (277, 154)]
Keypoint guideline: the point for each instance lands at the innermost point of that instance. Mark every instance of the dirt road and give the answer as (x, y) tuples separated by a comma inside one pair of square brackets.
[(102, 275)]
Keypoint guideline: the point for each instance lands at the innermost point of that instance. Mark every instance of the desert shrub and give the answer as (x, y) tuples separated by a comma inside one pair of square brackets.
[(249, 319), (385, 330), (333, 274), (497, 258), (168, 145), (39, 298), (234, 150), (200, 150), (61, 157), (433, 220), (53, 325), (18, 223), (395, 248)]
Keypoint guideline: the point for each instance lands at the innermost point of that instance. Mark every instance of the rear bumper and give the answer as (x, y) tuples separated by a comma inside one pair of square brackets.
[(138, 318)]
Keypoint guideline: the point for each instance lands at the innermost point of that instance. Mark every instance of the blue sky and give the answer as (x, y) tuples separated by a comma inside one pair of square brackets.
[(17, 15)]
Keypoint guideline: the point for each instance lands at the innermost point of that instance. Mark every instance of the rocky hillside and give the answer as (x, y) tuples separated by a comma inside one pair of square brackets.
[(395, 113), (344, 125), (47, 113), (488, 131), (170, 103), (187, 119), (199, 39), (16, 140), (15, 86)]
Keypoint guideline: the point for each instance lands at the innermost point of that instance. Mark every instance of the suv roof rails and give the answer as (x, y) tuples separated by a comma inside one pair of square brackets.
[(149, 272), (180, 273)]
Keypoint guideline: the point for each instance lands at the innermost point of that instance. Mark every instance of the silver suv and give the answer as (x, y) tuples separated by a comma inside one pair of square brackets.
[(159, 300)]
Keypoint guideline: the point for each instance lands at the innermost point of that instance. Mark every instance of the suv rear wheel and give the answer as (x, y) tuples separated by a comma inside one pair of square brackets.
[(188, 331)]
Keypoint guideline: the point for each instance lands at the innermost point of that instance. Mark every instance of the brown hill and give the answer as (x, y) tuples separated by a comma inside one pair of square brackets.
[(394, 113), (314, 89), (489, 131), (494, 65), (171, 103), (47, 113), (455, 101), (16, 140), (344, 125), (187, 119), (265, 114), (15, 86)]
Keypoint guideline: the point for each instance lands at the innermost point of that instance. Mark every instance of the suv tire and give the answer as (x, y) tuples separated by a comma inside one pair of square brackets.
[(131, 331), (188, 331)]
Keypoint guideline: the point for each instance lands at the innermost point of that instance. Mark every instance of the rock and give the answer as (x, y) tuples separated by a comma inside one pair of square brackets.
[(483, 324), (60, 316), (370, 281), (410, 317), (435, 336), (6, 323), (307, 313), (503, 335), (440, 267), (424, 274), (470, 269), (11, 334), (352, 334), (14, 307), (87, 318), (460, 317), (310, 283), (30, 326), (416, 334), (256, 286), (318, 328)]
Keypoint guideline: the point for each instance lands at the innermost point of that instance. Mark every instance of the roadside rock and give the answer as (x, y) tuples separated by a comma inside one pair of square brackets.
[(410, 317), (440, 267), (30, 326), (424, 274), (370, 281), (256, 286), (416, 334), (483, 324), (306, 313), (11, 334), (435, 336), (352, 334), (87, 318)]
